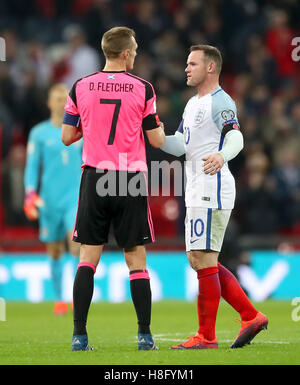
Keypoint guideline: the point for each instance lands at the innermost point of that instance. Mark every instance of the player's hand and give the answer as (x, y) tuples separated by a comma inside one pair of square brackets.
[(162, 126), (31, 205), (212, 163)]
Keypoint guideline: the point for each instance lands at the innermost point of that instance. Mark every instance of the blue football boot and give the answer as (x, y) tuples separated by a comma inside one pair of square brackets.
[(80, 342), (145, 342)]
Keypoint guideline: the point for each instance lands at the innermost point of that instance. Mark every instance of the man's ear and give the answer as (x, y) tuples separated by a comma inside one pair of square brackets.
[(211, 67), (125, 54)]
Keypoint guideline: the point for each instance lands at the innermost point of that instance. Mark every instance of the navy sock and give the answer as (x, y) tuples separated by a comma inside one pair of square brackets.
[(82, 296), (141, 298)]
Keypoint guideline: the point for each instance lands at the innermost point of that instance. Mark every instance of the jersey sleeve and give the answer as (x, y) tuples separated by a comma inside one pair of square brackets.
[(72, 116), (33, 161), (174, 144), (150, 117), (224, 114), (180, 127), (71, 105)]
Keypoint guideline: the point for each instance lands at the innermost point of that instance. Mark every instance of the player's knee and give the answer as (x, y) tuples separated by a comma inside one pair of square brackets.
[(135, 257), (193, 260), (74, 248), (55, 250), (201, 259), (130, 249)]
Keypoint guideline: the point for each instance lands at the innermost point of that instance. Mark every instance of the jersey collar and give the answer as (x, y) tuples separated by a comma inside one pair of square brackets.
[(216, 91), (113, 72)]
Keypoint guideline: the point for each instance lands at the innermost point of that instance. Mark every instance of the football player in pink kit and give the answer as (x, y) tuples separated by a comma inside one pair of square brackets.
[(112, 110)]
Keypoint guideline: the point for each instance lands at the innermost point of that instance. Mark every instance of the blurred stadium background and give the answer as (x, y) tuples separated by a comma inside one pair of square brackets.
[(49, 41)]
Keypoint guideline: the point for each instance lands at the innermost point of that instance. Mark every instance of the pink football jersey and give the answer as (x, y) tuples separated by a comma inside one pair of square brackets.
[(114, 109)]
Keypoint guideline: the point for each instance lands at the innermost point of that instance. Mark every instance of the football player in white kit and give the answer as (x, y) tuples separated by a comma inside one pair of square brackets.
[(209, 135)]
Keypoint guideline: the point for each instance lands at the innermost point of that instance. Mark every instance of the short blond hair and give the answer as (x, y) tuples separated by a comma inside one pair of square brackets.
[(116, 40), (57, 87), (211, 53)]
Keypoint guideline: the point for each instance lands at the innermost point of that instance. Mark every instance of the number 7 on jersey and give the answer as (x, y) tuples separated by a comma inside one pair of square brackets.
[(117, 103)]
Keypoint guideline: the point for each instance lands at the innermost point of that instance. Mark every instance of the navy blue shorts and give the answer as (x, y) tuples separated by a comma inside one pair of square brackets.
[(113, 198)]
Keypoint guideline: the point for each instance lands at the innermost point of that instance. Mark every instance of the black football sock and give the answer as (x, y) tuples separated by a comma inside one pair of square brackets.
[(82, 296), (141, 298)]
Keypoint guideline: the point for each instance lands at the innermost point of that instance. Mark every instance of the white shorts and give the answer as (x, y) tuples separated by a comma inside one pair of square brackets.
[(205, 228)]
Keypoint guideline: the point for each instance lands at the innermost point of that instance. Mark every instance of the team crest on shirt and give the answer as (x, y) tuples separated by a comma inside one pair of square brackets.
[(199, 116)]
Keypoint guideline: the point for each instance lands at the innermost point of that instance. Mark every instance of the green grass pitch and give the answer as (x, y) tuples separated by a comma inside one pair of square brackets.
[(32, 335)]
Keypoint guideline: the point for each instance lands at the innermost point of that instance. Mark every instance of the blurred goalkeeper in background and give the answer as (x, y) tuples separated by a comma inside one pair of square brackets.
[(52, 178)]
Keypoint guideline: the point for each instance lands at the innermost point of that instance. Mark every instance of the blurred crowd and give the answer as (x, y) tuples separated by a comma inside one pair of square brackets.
[(49, 41)]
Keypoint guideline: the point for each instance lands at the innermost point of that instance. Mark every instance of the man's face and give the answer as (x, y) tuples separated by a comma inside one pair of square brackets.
[(131, 56), (196, 68), (57, 100)]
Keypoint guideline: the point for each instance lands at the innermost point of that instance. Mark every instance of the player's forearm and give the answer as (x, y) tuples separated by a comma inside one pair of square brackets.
[(160, 138), (233, 144), (33, 162), (30, 184), (31, 176), (76, 137), (174, 144), (156, 136), (70, 134)]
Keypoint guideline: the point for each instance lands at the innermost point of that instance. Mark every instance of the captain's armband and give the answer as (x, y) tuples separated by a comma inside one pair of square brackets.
[(230, 125), (72, 120), (150, 122)]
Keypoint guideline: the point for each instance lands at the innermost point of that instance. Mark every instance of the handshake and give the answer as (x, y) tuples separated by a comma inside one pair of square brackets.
[(31, 205)]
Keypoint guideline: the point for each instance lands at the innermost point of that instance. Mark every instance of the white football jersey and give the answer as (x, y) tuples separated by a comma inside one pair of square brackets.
[(204, 119)]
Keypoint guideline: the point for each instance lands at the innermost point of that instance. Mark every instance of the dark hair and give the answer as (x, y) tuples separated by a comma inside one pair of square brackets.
[(211, 53)]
